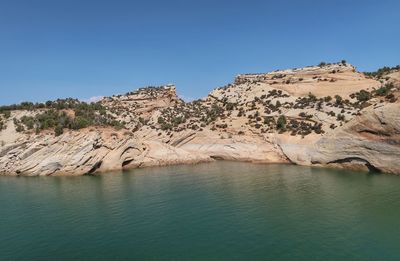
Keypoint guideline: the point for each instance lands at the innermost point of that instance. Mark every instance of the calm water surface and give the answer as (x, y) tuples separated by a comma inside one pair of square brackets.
[(216, 211)]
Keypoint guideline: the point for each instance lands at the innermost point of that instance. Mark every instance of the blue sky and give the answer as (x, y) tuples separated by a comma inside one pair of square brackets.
[(51, 49)]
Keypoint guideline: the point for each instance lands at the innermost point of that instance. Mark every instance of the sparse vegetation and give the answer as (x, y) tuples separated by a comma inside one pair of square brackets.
[(363, 96), (384, 90), (220, 111), (340, 117), (58, 130), (338, 100), (382, 71), (70, 114), (281, 122)]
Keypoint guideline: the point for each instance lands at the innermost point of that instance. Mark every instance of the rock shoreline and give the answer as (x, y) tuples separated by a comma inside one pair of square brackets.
[(262, 118)]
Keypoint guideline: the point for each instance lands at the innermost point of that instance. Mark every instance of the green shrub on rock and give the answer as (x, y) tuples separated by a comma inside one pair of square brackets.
[(281, 122)]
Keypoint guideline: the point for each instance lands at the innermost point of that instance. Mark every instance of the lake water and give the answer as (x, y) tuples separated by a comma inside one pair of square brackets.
[(213, 211)]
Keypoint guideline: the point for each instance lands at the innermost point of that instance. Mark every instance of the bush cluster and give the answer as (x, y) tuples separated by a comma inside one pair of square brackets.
[(384, 90), (82, 115), (382, 71)]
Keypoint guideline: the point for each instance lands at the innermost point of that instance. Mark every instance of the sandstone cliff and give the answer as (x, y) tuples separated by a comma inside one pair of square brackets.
[(328, 115)]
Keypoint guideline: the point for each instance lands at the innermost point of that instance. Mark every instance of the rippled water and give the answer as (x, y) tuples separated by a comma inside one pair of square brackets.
[(215, 211)]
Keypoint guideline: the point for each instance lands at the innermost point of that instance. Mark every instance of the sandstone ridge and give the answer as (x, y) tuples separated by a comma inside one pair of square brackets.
[(328, 115)]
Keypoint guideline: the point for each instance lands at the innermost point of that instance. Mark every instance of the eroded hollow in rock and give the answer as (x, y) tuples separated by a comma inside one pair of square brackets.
[(126, 162), (94, 168)]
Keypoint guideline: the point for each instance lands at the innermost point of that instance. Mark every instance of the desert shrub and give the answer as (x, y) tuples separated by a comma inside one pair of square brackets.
[(18, 126), (29, 122), (84, 115), (178, 120), (340, 117), (160, 120), (58, 130), (338, 100), (312, 97), (80, 122), (382, 71), (383, 90), (269, 120), (331, 113), (166, 126), (7, 114), (281, 122), (363, 96), (317, 128), (257, 114), (230, 106), (142, 121)]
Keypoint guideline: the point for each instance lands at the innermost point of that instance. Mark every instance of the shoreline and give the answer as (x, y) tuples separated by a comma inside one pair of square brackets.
[(110, 171), (327, 116)]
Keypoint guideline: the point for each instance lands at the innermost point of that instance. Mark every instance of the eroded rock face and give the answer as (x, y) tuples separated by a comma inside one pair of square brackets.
[(330, 80), (141, 103), (250, 148), (372, 140), (235, 122), (368, 142), (77, 153)]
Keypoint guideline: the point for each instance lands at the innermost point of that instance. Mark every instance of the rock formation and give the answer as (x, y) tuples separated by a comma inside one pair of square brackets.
[(328, 115)]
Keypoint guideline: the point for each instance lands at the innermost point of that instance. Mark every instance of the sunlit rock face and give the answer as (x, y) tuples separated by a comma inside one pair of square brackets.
[(328, 115)]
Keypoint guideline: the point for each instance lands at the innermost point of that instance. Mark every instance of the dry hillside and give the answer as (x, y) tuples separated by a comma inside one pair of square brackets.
[(326, 115)]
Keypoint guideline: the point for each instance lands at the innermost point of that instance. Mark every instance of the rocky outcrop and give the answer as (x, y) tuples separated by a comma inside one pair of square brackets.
[(369, 142), (80, 153), (250, 148), (331, 116), (332, 79)]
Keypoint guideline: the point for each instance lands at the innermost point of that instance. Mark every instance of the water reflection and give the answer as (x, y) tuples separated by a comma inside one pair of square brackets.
[(219, 210)]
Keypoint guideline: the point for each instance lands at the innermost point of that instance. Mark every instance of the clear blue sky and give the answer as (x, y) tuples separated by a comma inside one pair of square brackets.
[(71, 48)]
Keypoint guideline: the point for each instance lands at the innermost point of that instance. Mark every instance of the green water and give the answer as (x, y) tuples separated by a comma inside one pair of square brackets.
[(216, 211)]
